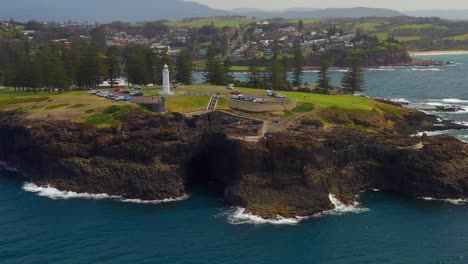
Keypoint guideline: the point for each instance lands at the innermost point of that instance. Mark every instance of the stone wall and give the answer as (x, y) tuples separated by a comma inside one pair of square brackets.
[(259, 108)]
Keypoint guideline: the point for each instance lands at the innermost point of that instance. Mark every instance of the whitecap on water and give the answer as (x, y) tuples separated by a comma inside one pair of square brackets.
[(426, 69), (56, 194), (240, 216), (452, 201), (454, 101)]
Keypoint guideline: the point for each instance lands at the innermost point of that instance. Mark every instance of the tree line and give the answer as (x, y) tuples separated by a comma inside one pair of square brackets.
[(285, 74), (85, 65)]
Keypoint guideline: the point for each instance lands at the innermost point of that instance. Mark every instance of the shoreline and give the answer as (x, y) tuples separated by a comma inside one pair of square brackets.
[(437, 52)]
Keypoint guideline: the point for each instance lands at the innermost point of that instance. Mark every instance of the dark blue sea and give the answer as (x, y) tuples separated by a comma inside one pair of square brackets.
[(46, 226)]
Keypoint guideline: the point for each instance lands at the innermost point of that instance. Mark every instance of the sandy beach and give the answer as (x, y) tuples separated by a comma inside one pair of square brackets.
[(438, 52)]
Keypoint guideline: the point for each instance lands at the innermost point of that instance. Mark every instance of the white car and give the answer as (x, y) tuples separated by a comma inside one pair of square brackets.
[(119, 98)]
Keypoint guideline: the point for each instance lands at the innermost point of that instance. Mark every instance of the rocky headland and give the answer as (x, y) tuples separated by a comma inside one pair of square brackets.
[(288, 172)]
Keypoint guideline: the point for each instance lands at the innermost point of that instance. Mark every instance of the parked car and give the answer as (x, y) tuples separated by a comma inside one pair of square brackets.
[(137, 94), (237, 97), (125, 92), (136, 87), (280, 96), (259, 101), (238, 92), (117, 90), (230, 87), (127, 99), (118, 98)]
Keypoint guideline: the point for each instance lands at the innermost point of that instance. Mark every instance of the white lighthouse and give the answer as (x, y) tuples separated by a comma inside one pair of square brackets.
[(166, 82)]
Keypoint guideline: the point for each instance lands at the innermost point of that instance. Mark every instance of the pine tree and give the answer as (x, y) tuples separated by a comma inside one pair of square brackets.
[(113, 64), (136, 67), (227, 76), (254, 74), (277, 75), (298, 65), (353, 80), (184, 67), (300, 25), (215, 69), (324, 81)]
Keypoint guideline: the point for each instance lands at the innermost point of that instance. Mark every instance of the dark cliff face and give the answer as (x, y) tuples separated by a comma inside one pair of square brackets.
[(289, 174)]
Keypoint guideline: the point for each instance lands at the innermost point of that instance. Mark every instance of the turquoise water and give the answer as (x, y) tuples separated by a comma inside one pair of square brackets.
[(393, 229)]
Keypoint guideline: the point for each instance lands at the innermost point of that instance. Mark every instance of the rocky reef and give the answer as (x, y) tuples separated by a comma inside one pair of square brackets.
[(287, 173)]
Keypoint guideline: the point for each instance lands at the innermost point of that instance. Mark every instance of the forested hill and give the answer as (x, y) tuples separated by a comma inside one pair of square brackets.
[(104, 10), (150, 10), (305, 13)]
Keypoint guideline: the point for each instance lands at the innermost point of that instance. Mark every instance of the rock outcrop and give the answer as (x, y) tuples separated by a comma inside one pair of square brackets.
[(154, 157)]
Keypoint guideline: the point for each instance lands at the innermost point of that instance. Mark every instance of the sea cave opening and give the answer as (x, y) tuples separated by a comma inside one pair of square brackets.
[(213, 166)]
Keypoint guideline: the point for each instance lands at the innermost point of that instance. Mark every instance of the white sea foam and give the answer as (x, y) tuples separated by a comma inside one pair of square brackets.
[(341, 208), (452, 201), (426, 69), (454, 101), (5, 166), (463, 123), (168, 200), (56, 194), (382, 69), (240, 216), (400, 100)]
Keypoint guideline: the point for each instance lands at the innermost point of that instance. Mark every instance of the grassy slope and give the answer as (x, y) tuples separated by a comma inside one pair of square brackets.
[(217, 22), (75, 106), (81, 107)]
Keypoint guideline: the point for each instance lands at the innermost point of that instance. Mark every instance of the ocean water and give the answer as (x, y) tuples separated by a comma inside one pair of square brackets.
[(43, 225)]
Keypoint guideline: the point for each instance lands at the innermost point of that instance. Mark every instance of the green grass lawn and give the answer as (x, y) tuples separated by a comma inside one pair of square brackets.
[(408, 38), (367, 27), (459, 38), (187, 103), (417, 27), (217, 22), (342, 101)]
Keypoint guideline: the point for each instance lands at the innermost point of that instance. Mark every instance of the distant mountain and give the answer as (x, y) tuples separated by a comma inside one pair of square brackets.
[(297, 13), (150, 10), (445, 14), (105, 10)]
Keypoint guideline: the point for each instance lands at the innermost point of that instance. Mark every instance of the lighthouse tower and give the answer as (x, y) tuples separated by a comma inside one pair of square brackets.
[(166, 82)]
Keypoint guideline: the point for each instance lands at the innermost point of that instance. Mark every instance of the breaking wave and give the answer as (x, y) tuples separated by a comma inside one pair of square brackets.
[(454, 101), (240, 216), (426, 69), (56, 194), (382, 69), (341, 208), (168, 200), (452, 201), (400, 100), (5, 167)]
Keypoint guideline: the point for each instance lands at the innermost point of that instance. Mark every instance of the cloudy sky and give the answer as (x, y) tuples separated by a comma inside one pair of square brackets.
[(403, 5)]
